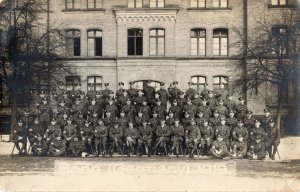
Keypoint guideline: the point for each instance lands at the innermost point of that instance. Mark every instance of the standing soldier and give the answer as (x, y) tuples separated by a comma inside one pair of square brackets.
[(229, 103), (204, 92), (221, 108), (106, 92), (238, 148), (224, 131), (86, 134), (207, 112), (132, 91), (20, 137), (266, 119), (231, 121), (60, 90), (108, 119), (219, 148), (177, 133), (161, 110), (149, 92), (215, 120), (57, 147), (207, 135), (176, 110), (131, 135), (76, 147), (122, 99), (222, 92), (190, 92), (139, 100), (162, 133), (240, 130), (192, 137), (196, 100), (211, 100), (53, 131), (154, 121), (100, 135), (27, 120), (272, 139), (189, 107), (45, 113), (120, 91), (174, 92), (145, 109), (145, 134), (241, 109), (100, 102), (77, 91), (181, 100), (40, 146), (115, 137), (129, 110), (170, 120), (164, 95), (249, 121), (112, 108)]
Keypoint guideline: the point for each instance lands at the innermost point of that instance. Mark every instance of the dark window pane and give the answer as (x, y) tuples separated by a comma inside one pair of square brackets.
[(98, 46), (76, 46), (139, 46), (131, 32), (131, 47)]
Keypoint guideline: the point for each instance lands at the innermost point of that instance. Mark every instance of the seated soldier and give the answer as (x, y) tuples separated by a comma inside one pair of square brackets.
[(257, 150), (219, 148), (57, 147), (192, 137), (69, 132), (40, 146), (145, 133), (76, 147), (100, 138), (86, 135), (131, 135), (177, 133), (272, 139), (115, 138), (139, 119), (162, 133), (240, 130), (257, 132), (238, 148), (224, 131), (207, 135), (35, 130), (170, 119), (53, 131), (20, 137)]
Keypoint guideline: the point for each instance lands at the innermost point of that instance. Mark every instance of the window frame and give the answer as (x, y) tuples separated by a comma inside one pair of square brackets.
[(73, 37), (157, 3), (198, 38), (220, 4), (279, 3), (135, 3), (219, 36), (135, 36), (157, 37), (144, 81), (198, 84), (226, 84), (94, 84), (197, 2), (284, 42), (95, 45), (73, 2), (73, 84), (94, 4)]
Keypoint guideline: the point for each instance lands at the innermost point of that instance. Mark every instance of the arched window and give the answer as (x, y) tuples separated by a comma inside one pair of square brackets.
[(94, 43), (94, 83), (217, 80), (135, 41), (73, 42), (198, 3), (198, 82), (157, 42), (198, 42), (220, 42)]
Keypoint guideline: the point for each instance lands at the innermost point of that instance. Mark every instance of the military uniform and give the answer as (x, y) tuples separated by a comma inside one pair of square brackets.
[(132, 92), (40, 147), (241, 110), (192, 136), (115, 137), (69, 133), (240, 131), (272, 139), (207, 113), (20, 136), (108, 121), (174, 93), (190, 92), (131, 135), (176, 110), (207, 135), (76, 147), (170, 121), (149, 93), (100, 135), (257, 151), (138, 102), (215, 121), (219, 149), (129, 111), (164, 95), (145, 134), (190, 108), (257, 133), (177, 133), (113, 110), (249, 122), (145, 109), (86, 134), (52, 132), (57, 147), (238, 149), (161, 111), (34, 131)]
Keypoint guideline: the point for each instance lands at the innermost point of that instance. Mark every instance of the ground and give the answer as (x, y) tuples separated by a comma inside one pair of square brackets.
[(19, 173)]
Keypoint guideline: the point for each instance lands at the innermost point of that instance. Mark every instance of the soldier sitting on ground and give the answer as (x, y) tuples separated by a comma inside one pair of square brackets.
[(257, 150), (238, 148), (219, 148), (40, 146), (76, 147), (57, 147)]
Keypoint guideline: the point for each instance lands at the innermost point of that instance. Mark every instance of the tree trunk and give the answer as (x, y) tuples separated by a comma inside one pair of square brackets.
[(14, 107), (279, 108)]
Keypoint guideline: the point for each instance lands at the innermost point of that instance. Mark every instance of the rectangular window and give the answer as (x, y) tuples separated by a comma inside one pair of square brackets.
[(94, 83), (220, 3), (94, 4), (73, 4), (72, 82), (217, 80), (220, 42), (198, 82), (73, 43), (94, 43), (157, 42), (198, 3), (157, 3), (135, 3), (279, 2), (198, 42), (135, 42)]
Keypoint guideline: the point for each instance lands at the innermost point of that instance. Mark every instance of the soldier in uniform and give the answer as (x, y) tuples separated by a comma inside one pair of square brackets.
[(189, 107), (149, 92), (40, 146), (229, 103), (186, 120), (100, 137), (145, 109), (129, 110), (177, 133), (231, 121), (120, 91), (257, 150), (100, 102), (76, 147), (60, 90), (77, 107), (69, 132), (131, 135), (45, 113), (154, 121), (57, 147), (272, 139), (138, 120), (162, 133), (199, 118), (164, 95), (192, 137), (63, 108), (161, 110), (222, 92), (238, 148), (266, 119), (123, 121), (249, 121), (221, 108), (106, 92), (62, 119), (112, 108), (108, 119), (204, 93), (215, 120), (34, 131), (257, 133), (176, 110), (224, 131), (190, 92), (27, 119), (240, 130), (196, 100), (93, 106), (174, 92), (207, 113), (219, 149), (145, 134), (241, 109), (115, 137), (86, 134), (211, 100), (170, 119), (53, 131), (207, 135), (20, 137), (79, 120), (132, 91), (122, 99), (181, 100), (94, 118)]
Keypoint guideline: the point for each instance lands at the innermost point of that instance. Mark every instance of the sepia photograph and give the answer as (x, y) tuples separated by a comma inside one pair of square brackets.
[(150, 95)]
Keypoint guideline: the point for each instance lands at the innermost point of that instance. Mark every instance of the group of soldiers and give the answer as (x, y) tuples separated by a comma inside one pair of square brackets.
[(144, 122)]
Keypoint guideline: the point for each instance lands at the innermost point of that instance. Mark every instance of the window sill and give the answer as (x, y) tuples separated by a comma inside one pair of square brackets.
[(83, 10), (210, 9), (281, 6)]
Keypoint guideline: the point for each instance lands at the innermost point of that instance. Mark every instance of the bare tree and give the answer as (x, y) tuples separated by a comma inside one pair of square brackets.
[(272, 57), (29, 50)]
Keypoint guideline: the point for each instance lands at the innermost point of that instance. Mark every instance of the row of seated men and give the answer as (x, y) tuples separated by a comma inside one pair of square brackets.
[(159, 136)]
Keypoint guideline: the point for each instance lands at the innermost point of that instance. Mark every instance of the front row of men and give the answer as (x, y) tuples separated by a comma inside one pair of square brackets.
[(94, 139)]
